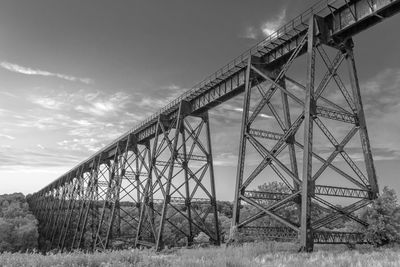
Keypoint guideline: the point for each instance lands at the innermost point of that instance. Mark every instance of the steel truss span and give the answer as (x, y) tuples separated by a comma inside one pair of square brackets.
[(132, 191)]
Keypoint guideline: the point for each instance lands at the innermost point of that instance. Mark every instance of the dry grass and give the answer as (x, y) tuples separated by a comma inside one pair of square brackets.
[(256, 254)]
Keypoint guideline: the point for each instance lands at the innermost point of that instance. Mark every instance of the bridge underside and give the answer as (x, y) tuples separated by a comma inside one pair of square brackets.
[(303, 131)]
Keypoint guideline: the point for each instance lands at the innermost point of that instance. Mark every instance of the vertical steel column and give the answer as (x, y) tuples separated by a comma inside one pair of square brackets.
[(116, 174), (187, 190), (51, 214), (306, 235), (83, 200), (69, 213), (98, 231), (137, 175), (60, 208), (212, 178), (121, 173), (80, 202), (242, 150), (95, 220), (167, 197), (369, 162), (147, 204), (150, 181), (114, 190), (291, 141), (90, 201)]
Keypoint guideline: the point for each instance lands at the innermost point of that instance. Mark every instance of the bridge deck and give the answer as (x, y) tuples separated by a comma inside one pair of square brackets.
[(345, 17)]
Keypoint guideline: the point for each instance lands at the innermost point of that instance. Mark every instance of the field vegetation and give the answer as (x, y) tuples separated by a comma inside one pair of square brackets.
[(250, 254)]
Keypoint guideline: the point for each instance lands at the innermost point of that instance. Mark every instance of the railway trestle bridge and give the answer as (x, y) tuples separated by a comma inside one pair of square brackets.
[(159, 176)]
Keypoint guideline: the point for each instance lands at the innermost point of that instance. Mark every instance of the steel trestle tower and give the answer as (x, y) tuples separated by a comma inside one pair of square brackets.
[(311, 109)]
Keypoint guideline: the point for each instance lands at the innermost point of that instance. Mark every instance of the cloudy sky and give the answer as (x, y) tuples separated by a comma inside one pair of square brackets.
[(74, 75)]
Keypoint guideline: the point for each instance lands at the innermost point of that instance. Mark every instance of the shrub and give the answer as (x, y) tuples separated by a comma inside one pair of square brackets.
[(383, 217)]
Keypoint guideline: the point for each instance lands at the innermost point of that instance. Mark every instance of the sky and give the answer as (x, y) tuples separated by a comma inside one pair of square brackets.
[(74, 75)]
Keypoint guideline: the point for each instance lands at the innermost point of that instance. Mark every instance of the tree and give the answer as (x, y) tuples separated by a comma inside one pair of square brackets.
[(18, 227), (5, 234), (289, 212), (383, 218)]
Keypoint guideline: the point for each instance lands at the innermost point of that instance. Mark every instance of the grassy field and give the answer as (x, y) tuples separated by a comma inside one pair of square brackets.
[(256, 254)]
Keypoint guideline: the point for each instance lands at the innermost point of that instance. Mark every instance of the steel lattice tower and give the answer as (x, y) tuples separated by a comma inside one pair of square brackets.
[(308, 109)]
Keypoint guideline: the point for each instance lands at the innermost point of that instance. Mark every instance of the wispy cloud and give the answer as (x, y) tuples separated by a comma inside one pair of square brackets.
[(79, 121), (40, 146), (225, 159), (103, 105), (266, 28), (270, 26), (8, 94), (263, 115), (80, 144), (83, 101), (161, 97), (9, 137), (47, 102), (29, 71), (250, 33), (152, 102), (36, 157)]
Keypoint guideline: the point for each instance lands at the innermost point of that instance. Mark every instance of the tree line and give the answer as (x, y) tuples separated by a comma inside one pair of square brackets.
[(18, 226)]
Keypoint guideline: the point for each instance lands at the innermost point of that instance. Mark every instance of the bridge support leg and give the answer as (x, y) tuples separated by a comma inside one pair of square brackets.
[(146, 228), (291, 144), (85, 199), (117, 174), (183, 185), (70, 211), (327, 114), (213, 197), (369, 162), (51, 199), (108, 175), (306, 235), (171, 163), (256, 74), (59, 213), (242, 153), (187, 189)]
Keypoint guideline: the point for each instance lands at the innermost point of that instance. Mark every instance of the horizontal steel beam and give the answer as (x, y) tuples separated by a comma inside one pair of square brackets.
[(282, 233), (333, 237), (320, 237), (192, 157), (265, 134), (336, 115), (264, 195), (326, 190), (323, 190)]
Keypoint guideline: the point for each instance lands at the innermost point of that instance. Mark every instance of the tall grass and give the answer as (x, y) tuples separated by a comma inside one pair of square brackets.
[(255, 254)]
